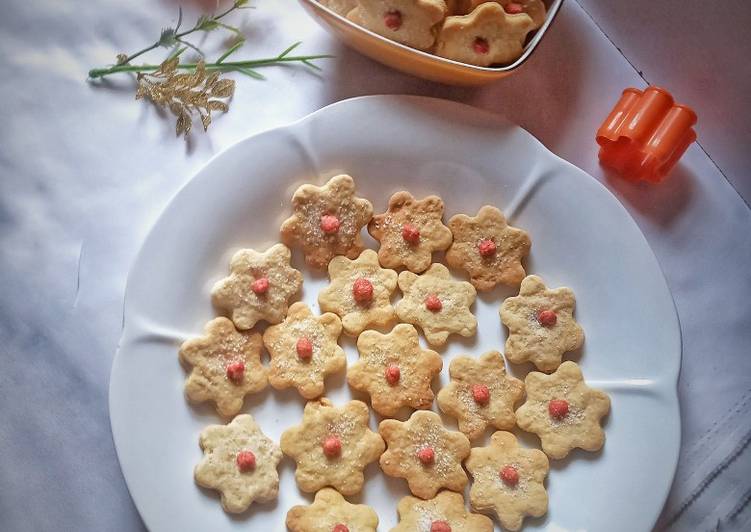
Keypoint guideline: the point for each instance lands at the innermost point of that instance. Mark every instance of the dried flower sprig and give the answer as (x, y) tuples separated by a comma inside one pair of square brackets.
[(200, 90)]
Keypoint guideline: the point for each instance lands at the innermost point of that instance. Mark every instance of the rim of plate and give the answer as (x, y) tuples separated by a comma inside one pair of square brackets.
[(672, 372)]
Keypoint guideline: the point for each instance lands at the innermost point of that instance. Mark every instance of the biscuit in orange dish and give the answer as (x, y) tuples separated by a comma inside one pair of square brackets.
[(488, 249), (304, 350), (394, 370), (563, 411), (330, 512), (410, 231), (327, 220), (443, 513), (424, 453), (332, 446), (259, 286), (481, 394), (487, 36), (541, 324), (225, 366), (409, 22), (508, 480), (535, 9), (240, 462)]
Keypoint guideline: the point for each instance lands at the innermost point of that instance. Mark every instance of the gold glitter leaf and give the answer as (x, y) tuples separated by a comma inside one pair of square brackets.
[(185, 94), (224, 88)]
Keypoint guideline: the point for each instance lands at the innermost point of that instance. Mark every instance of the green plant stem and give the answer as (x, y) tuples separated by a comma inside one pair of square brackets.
[(222, 67), (178, 36)]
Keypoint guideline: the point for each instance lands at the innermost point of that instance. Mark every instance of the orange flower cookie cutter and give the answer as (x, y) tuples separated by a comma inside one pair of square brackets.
[(645, 134)]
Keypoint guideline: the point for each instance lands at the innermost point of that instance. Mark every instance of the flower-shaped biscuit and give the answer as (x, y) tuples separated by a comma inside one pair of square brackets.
[(541, 324), (480, 394), (534, 8), (240, 462), (304, 351), (327, 221), (409, 22), (410, 231), (437, 303), (360, 292), (563, 411), (226, 366), (487, 36), (332, 446), (331, 512), (394, 370), (425, 454), (259, 286), (443, 513), (487, 248), (508, 480)]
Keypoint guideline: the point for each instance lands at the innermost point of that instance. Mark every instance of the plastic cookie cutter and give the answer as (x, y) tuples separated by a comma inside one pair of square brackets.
[(645, 134)]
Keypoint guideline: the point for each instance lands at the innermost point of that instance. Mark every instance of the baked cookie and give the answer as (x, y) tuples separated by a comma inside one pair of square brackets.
[(304, 350), (487, 248), (425, 454), (259, 286), (409, 22), (443, 513), (487, 36), (327, 221), (541, 324), (360, 292), (534, 8), (480, 394), (239, 462), (341, 7), (508, 480), (394, 370), (330, 512), (437, 303), (226, 366), (563, 411), (410, 231), (332, 446)]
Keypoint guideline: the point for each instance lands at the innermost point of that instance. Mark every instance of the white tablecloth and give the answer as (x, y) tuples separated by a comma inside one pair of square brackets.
[(85, 170)]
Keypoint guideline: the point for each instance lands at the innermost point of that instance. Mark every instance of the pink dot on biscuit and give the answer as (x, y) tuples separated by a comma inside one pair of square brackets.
[(440, 526), (558, 409), (487, 248), (332, 446), (509, 475), (260, 286), (393, 20), (304, 348), (547, 318), (393, 373), (330, 224), (339, 527), (410, 234), (513, 8), (246, 461), (480, 394), (433, 304), (426, 455), (236, 371), (480, 46), (362, 289)]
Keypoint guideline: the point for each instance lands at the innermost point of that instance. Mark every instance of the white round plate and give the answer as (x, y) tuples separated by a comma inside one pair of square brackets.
[(581, 238)]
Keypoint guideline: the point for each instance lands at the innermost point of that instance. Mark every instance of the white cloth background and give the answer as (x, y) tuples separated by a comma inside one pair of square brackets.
[(85, 170)]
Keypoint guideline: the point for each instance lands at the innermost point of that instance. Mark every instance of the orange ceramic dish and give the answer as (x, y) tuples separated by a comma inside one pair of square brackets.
[(417, 62)]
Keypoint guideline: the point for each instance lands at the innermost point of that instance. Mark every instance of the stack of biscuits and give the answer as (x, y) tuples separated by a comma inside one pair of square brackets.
[(331, 445), (477, 32)]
